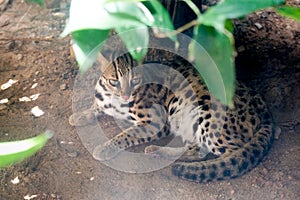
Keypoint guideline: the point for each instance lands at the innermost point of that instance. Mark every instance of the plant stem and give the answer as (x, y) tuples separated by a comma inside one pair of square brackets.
[(187, 26), (179, 30), (193, 7)]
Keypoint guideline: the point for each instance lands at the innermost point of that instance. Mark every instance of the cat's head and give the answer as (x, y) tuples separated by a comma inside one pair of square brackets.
[(122, 77)]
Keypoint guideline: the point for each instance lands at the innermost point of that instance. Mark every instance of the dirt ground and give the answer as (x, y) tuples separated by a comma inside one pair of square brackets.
[(31, 52)]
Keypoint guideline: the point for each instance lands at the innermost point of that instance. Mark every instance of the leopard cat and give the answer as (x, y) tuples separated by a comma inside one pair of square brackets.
[(238, 137)]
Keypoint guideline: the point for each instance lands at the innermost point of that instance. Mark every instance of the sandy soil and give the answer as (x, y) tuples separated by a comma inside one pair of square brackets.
[(31, 52)]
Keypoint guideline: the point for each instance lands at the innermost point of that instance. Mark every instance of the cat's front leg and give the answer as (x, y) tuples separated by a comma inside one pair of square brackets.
[(135, 135), (85, 117), (107, 151), (114, 146)]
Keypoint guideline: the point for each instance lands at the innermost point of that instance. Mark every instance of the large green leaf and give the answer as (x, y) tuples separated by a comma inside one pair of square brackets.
[(162, 20), (136, 40), (12, 152), (288, 11), (130, 10), (213, 53), (85, 44), (230, 9), (94, 14)]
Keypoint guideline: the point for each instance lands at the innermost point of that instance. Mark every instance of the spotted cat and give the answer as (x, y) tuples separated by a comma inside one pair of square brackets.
[(159, 102)]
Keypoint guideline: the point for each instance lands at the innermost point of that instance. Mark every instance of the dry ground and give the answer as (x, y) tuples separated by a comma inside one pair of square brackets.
[(31, 52)]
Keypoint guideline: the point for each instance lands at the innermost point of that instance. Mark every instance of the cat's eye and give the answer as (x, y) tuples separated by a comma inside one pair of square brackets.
[(113, 82), (135, 81)]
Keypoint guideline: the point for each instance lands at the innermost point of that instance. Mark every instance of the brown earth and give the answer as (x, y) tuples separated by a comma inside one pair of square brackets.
[(31, 52)]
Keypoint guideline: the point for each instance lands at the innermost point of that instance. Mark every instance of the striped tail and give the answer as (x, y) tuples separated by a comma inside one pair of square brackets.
[(230, 166)]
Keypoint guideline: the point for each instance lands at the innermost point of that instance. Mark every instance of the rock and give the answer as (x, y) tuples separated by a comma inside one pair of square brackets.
[(2, 107), (258, 26), (59, 14), (73, 154), (277, 133), (20, 56), (264, 171), (63, 86)]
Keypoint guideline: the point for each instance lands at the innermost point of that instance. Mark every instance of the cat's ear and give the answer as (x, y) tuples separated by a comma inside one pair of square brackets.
[(101, 62)]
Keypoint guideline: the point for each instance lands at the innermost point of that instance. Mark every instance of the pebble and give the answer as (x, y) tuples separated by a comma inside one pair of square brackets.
[(73, 154), (20, 56), (265, 171), (59, 14), (277, 133), (63, 86), (3, 101), (258, 26), (26, 179)]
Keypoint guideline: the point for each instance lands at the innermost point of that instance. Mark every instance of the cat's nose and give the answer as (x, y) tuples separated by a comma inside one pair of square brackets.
[(125, 97)]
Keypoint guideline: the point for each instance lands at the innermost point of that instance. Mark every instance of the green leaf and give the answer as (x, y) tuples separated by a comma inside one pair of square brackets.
[(213, 54), (230, 9), (162, 20), (40, 2), (288, 11), (136, 40), (130, 10), (16, 151), (229, 25), (94, 14), (86, 45)]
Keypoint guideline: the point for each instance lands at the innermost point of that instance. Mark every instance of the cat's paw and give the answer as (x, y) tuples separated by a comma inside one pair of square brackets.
[(82, 118), (152, 149), (169, 153), (106, 151), (156, 152)]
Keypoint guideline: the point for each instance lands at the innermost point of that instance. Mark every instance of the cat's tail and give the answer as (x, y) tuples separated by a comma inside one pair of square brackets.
[(232, 165)]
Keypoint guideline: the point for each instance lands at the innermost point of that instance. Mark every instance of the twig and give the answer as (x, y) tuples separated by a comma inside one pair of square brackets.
[(179, 30), (24, 15)]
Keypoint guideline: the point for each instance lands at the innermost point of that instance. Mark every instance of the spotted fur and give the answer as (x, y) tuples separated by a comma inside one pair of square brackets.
[(239, 138)]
